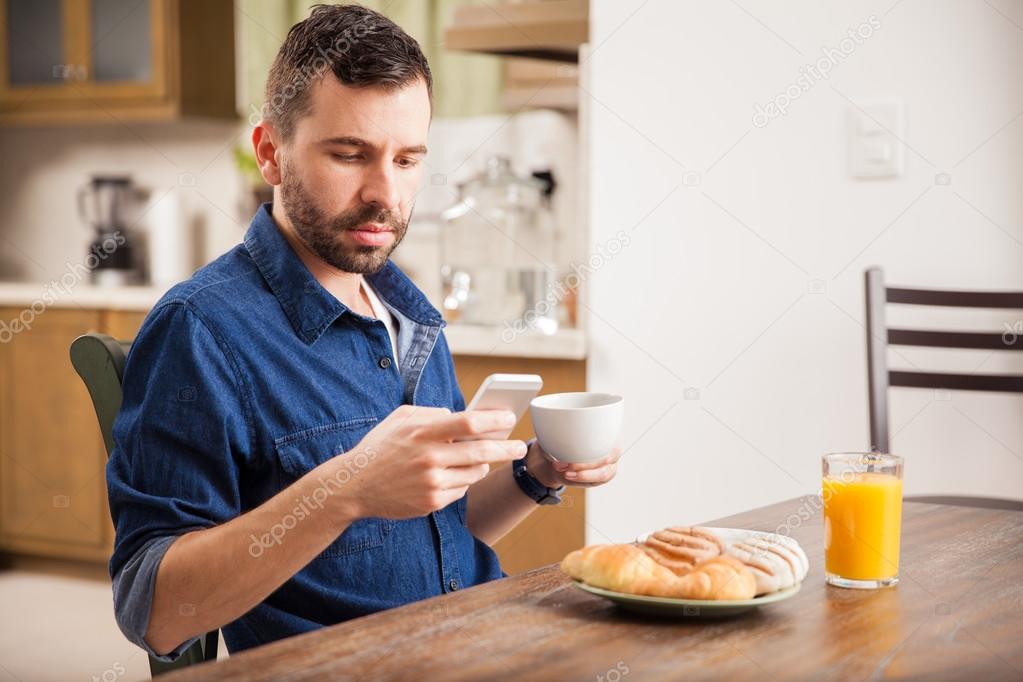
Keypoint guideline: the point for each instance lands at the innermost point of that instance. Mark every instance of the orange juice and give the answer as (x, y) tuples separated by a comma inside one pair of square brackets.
[(862, 523)]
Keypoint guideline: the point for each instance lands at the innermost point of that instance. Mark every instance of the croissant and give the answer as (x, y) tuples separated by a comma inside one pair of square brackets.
[(631, 569)]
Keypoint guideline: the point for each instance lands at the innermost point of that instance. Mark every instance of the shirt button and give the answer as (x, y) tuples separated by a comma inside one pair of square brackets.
[(384, 362), (453, 584)]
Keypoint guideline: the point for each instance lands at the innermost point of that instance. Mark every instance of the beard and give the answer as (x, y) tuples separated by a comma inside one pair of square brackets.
[(321, 233)]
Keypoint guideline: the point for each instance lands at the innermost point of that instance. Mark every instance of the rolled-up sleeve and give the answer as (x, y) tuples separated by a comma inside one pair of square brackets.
[(134, 585), (181, 438)]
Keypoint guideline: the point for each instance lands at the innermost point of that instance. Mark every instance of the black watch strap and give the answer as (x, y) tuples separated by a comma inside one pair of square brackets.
[(532, 487)]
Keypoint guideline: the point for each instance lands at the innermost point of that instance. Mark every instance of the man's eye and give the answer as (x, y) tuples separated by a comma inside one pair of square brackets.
[(347, 157), (407, 163)]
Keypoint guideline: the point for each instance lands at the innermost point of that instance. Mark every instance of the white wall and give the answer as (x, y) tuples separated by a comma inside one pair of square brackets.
[(716, 291)]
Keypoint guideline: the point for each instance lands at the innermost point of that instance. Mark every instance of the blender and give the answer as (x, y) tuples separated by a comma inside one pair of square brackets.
[(107, 203)]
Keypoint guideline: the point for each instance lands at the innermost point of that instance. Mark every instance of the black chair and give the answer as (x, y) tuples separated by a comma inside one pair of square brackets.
[(99, 360), (880, 378)]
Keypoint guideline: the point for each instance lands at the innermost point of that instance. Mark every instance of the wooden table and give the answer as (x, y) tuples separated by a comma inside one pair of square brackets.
[(957, 614)]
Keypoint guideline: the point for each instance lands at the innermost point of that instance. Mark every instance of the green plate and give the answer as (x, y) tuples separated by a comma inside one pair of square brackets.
[(687, 608)]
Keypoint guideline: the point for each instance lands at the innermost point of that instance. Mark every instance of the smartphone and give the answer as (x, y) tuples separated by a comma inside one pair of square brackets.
[(512, 392)]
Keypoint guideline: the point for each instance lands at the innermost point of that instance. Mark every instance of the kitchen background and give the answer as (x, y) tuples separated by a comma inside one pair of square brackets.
[(192, 190), (723, 175), (164, 92)]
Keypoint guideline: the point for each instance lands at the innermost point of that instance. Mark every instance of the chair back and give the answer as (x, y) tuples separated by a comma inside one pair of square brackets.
[(880, 336), (99, 360)]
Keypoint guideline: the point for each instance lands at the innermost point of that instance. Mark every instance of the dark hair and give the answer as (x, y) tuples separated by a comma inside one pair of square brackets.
[(361, 47)]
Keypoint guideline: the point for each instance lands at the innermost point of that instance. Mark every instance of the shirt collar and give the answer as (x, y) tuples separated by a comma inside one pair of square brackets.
[(309, 307)]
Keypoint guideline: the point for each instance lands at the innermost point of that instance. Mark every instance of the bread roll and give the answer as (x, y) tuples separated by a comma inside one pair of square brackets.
[(633, 570), (682, 548), (777, 561)]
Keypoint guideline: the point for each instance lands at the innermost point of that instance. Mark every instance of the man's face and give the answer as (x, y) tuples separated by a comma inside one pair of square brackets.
[(351, 170)]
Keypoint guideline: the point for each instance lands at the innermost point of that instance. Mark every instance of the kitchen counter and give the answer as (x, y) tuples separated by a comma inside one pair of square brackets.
[(80, 295), (566, 344)]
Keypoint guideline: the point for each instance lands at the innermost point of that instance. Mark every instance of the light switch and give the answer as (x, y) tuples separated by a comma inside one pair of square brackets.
[(877, 151), (866, 125), (875, 147)]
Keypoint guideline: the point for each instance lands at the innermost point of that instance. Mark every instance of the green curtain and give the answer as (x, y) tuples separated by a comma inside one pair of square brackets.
[(464, 84)]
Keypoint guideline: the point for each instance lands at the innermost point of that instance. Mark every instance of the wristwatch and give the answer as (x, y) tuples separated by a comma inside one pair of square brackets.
[(533, 488)]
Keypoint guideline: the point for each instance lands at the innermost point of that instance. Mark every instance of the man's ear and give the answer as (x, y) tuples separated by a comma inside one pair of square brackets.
[(264, 144)]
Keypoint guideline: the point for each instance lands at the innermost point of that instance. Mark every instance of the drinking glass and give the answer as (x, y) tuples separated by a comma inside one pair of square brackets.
[(862, 494)]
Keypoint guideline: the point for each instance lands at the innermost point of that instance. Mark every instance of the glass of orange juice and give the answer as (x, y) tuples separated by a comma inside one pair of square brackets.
[(862, 494)]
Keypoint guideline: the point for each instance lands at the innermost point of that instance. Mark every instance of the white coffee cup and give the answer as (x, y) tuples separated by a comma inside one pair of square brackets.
[(577, 427)]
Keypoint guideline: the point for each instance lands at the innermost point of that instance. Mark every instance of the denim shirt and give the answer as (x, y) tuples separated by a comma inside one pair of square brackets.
[(241, 380)]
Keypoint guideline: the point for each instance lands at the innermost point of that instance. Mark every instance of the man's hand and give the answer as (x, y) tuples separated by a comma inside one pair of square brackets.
[(416, 464), (553, 474)]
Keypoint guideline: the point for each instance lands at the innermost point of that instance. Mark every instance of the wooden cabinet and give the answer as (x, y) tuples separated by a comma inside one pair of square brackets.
[(542, 39), (540, 85), (123, 325), (550, 532), (51, 472), (76, 61), (538, 29), (53, 495)]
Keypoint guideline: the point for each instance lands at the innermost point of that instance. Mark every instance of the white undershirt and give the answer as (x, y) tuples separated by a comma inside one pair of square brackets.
[(381, 312)]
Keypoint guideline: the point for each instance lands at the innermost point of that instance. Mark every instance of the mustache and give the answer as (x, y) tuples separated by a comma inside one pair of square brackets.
[(368, 214)]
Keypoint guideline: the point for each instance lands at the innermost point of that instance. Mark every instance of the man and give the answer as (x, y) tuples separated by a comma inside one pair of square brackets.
[(293, 450)]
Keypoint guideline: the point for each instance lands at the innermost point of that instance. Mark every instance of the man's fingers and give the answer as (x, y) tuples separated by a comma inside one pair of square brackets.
[(410, 415), (585, 466), (469, 453), (461, 477), (419, 414), (615, 455), (600, 474), (452, 495), (468, 424), (491, 435)]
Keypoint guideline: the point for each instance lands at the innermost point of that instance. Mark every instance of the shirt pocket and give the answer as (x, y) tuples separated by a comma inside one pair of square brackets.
[(302, 451)]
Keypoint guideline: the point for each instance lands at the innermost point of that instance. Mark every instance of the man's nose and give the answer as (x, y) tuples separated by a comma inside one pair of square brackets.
[(380, 188)]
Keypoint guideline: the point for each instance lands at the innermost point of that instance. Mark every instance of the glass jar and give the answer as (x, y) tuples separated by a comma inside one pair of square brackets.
[(498, 252)]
